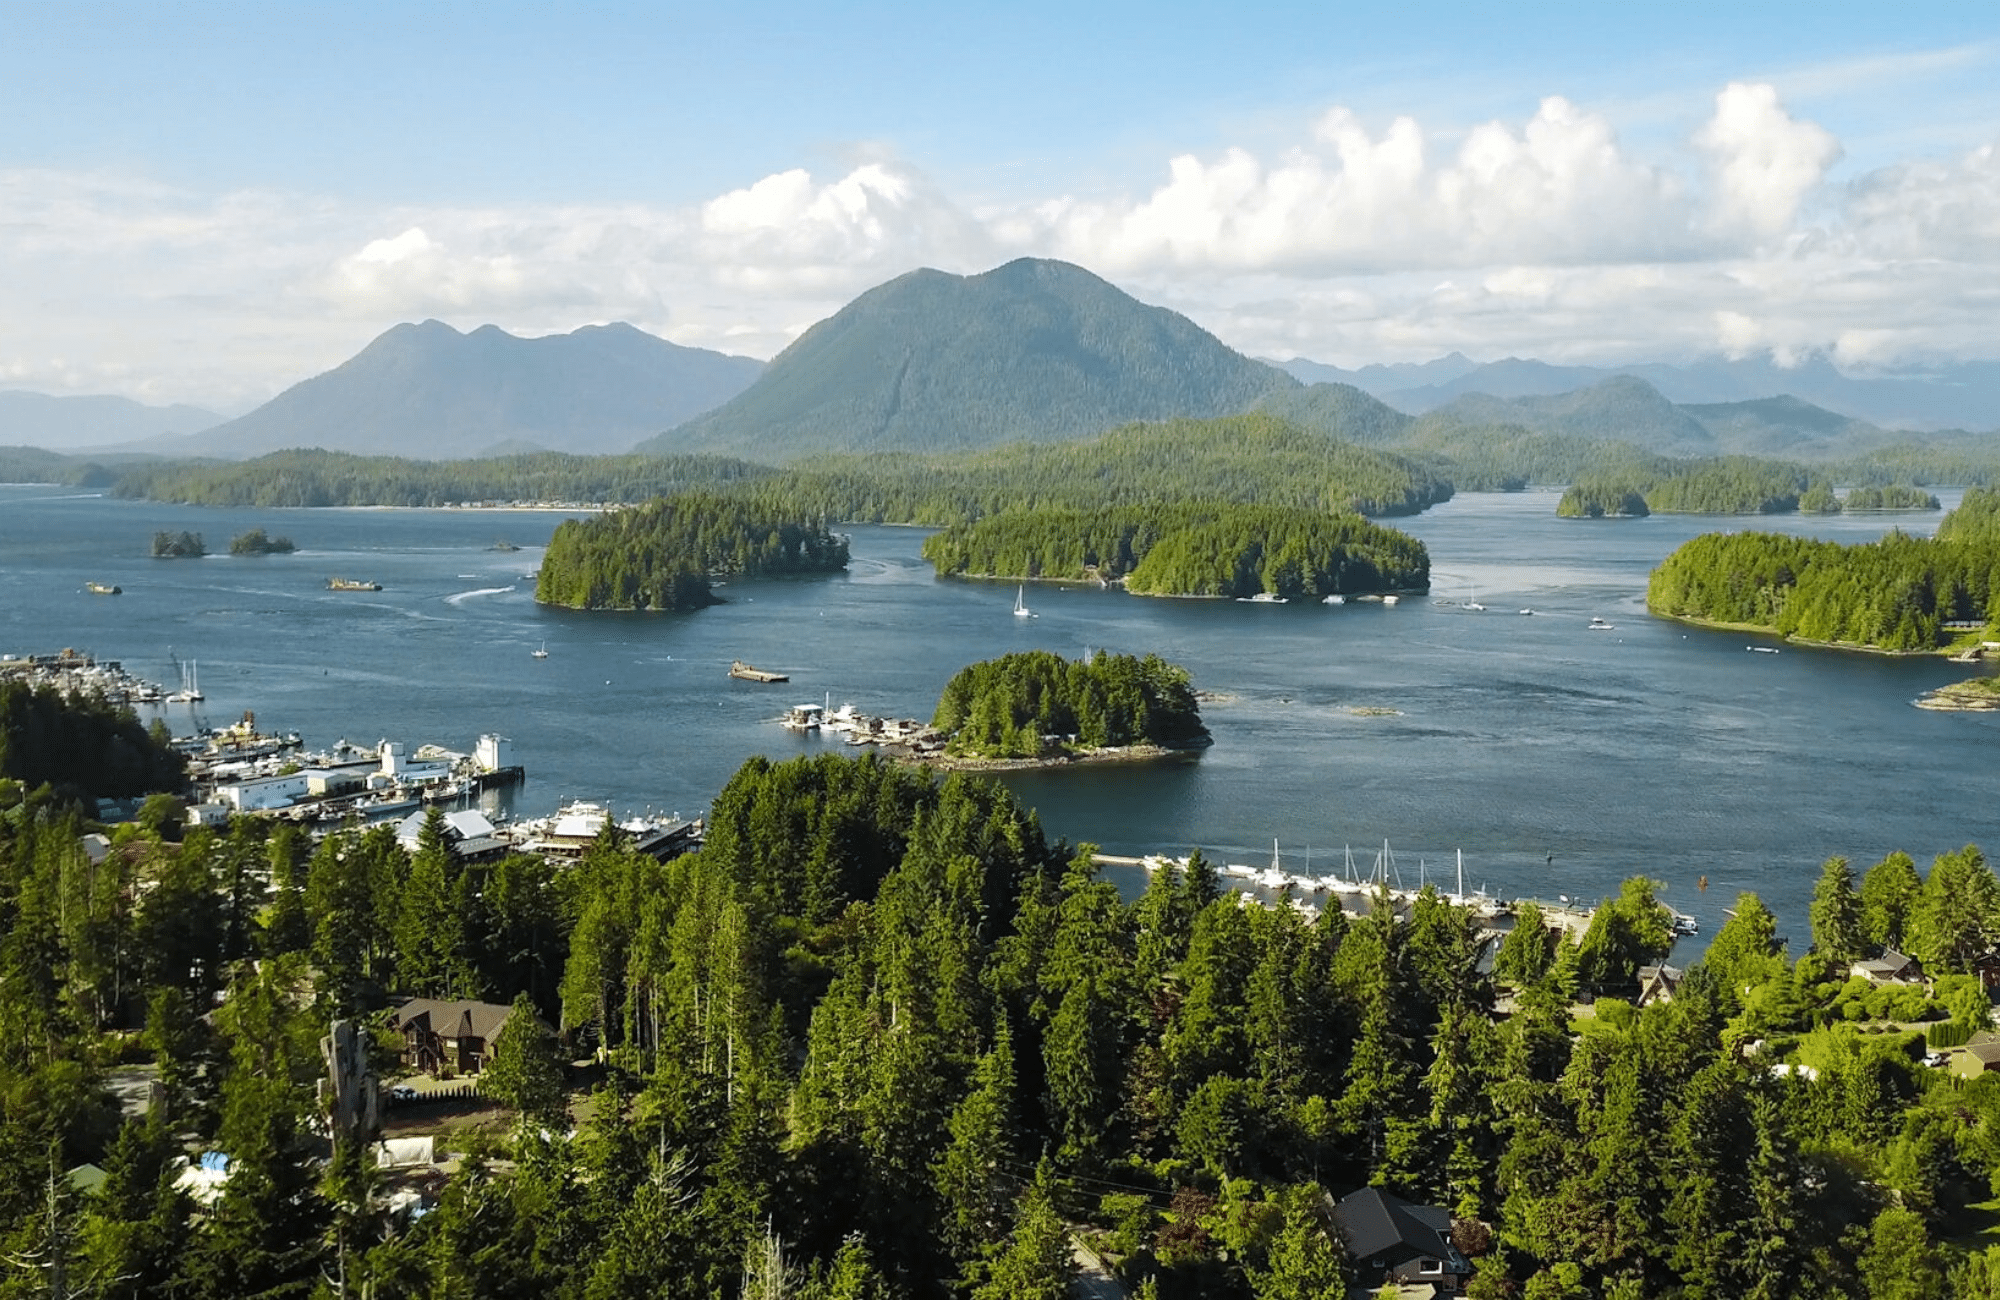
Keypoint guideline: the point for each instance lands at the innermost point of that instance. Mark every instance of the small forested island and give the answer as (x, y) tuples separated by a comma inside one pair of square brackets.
[(1037, 705), (665, 554), (1727, 485), (1902, 594), (258, 542), (1891, 496), (1188, 549), (178, 546)]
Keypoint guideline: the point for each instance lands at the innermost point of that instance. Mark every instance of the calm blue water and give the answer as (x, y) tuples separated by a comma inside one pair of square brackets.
[(1560, 760)]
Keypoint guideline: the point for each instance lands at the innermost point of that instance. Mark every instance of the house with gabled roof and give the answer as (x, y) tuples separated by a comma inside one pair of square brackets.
[(1891, 967), (1392, 1240), (458, 1036)]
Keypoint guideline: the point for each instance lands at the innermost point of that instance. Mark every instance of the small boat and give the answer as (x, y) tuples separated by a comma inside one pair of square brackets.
[(1335, 599), (1472, 599), (352, 584), (541, 651), (1390, 600), (802, 717), (103, 588), (1527, 611), (1021, 609), (1761, 649), (1264, 598), (745, 673)]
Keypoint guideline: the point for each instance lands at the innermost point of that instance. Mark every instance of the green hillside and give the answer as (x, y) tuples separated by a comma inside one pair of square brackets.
[(1034, 350)]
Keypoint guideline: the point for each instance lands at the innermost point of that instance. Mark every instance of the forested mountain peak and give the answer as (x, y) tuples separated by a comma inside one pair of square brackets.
[(1034, 350), (462, 394)]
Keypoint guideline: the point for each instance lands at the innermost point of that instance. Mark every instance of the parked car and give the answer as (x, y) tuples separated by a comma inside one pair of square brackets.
[(402, 1092)]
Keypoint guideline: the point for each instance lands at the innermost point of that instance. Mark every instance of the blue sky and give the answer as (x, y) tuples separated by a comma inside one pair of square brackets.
[(209, 201)]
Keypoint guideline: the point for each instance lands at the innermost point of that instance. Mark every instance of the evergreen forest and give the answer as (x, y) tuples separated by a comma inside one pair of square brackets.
[(1036, 703), (1194, 549), (1900, 593), (878, 1037), (664, 554)]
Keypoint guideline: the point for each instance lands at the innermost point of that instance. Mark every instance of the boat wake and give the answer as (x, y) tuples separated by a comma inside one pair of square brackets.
[(464, 596)]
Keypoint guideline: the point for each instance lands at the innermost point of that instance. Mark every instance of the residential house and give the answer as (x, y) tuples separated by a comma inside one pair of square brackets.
[(1891, 967), (1391, 1240), (456, 1036), (1658, 984)]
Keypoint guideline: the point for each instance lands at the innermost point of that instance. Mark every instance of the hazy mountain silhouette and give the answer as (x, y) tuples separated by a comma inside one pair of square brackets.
[(429, 391), (73, 423)]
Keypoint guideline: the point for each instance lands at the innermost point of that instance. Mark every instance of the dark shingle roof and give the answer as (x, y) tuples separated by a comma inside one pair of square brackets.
[(1376, 1225)]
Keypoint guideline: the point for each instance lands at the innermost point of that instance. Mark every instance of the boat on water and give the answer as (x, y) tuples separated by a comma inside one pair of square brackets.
[(190, 691), (541, 651), (745, 673), (103, 588), (1472, 599), (352, 584), (1527, 612), (1761, 649), (1021, 609), (1391, 600), (1264, 598), (803, 717), (1599, 625), (1335, 599)]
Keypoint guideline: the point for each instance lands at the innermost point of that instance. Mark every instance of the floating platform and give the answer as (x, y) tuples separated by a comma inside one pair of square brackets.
[(744, 672)]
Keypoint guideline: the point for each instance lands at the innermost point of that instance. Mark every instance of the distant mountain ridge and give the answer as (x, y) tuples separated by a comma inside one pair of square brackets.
[(63, 423), (1033, 350), (427, 390), (1962, 395)]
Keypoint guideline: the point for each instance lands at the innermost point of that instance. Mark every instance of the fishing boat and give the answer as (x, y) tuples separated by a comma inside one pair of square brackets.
[(1021, 609)]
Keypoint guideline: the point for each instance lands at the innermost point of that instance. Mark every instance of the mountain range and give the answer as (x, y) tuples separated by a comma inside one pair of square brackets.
[(1959, 395), (430, 391), (1033, 350), (76, 423)]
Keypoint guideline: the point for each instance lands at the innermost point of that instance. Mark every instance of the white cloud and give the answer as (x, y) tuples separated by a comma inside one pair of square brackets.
[(1541, 236), (1766, 161)]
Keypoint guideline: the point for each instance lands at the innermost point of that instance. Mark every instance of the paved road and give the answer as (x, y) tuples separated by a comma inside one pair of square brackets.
[(1093, 1280)]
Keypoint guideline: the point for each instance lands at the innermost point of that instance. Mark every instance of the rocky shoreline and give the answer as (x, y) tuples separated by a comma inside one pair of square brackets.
[(1976, 695)]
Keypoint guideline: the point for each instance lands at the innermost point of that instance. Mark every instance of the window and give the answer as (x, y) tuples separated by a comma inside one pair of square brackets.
[(1430, 1266)]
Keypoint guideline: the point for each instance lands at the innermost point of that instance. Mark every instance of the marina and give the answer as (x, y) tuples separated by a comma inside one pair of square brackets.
[(1659, 750)]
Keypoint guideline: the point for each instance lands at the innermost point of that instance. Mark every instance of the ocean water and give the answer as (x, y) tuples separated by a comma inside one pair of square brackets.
[(1558, 759)]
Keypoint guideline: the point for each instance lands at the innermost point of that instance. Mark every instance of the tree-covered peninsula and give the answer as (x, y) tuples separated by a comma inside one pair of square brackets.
[(1900, 593), (1037, 704), (1188, 549), (667, 553)]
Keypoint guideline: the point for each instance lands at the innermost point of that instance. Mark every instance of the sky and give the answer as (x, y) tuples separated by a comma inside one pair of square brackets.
[(208, 202)]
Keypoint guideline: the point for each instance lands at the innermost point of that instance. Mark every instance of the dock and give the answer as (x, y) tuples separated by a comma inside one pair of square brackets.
[(744, 672)]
